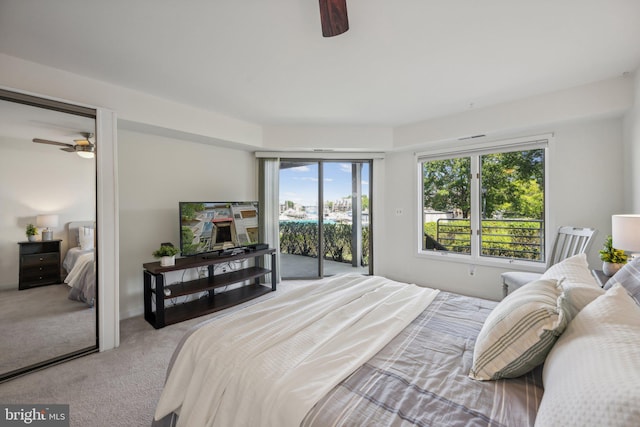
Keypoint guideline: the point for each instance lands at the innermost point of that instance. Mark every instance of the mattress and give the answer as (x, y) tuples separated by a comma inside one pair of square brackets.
[(421, 378)]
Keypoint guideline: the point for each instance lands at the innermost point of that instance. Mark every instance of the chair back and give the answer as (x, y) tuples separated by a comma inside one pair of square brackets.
[(570, 241)]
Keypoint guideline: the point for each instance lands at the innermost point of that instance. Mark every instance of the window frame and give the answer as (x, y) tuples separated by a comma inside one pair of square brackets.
[(475, 151)]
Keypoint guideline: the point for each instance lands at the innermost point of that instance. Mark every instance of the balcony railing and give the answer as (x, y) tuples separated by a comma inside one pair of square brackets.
[(505, 238)]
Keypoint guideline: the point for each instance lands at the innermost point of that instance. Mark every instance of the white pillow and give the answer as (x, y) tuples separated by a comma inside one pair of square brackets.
[(579, 295), (592, 375), (520, 331), (573, 269), (578, 283), (85, 237)]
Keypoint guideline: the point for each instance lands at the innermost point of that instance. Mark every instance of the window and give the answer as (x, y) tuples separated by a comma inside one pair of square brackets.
[(485, 203)]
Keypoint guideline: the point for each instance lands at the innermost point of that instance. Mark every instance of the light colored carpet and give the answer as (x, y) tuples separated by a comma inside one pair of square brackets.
[(42, 323), (119, 387)]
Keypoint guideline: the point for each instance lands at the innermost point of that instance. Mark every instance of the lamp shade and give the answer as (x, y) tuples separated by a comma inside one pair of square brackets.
[(47, 221), (625, 232)]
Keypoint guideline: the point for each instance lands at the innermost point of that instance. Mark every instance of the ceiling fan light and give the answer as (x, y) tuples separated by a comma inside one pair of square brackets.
[(85, 151), (85, 154)]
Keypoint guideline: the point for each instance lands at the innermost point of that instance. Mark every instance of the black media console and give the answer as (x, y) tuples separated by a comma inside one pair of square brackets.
[(154, 274)]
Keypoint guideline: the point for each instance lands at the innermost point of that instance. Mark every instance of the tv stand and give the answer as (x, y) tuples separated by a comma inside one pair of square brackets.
[(154, 273)]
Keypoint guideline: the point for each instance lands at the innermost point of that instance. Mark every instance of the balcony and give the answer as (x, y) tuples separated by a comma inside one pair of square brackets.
[(504, 238)]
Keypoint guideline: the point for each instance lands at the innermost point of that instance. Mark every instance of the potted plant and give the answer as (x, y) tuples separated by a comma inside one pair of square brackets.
[(167, 255), (612, 259), (31, 232)]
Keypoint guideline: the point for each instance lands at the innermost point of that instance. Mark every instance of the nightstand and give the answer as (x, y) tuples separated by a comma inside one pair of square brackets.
[(600, 277), (39, 264)]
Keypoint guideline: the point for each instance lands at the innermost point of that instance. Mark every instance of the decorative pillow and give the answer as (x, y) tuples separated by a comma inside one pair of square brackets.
[(591, 375), (629, 278), (579, 295), (573, 269), (85, 237), (520, 331), (578, 283)]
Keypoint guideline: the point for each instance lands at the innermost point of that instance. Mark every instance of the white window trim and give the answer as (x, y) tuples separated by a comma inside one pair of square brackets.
[(537, 141)]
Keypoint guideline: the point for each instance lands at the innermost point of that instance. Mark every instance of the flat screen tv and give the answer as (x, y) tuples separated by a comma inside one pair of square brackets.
[(208, 227)]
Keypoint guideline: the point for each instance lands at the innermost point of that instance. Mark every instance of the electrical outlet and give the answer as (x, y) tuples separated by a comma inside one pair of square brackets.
[(399, 211), (472, 270)]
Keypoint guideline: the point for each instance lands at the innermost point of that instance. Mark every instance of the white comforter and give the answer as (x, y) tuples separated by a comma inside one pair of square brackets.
[(270, 363), (82, 279)]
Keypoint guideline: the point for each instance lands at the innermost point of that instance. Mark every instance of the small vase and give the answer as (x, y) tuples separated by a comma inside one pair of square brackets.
[(32, 238), (611, 268), (167, 261)]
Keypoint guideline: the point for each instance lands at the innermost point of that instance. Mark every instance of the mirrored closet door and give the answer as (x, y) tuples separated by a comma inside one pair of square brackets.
[(48, 282)]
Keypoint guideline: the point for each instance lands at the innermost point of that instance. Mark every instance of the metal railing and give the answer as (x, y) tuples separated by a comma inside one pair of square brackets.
[(504, 238)]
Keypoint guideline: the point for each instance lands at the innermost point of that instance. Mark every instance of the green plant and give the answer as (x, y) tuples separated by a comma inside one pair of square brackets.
[(165, 251), (31, 230), (611, 254)]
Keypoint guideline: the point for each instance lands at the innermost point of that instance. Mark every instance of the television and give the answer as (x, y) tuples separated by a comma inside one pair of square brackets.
[(213, 227)]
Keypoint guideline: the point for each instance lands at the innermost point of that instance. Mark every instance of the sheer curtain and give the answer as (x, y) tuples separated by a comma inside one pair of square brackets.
[(269, 171)]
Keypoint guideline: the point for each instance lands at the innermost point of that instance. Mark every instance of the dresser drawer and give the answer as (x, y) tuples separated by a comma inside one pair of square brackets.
[(37, 260), (43, 272), (39, 264), (44, 279)]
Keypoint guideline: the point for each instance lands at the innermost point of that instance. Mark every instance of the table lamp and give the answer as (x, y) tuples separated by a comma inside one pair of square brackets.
[(46, 222), (625, 233)]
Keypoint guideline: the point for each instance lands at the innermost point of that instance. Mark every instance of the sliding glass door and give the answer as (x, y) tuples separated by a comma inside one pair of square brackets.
[(324, 218)]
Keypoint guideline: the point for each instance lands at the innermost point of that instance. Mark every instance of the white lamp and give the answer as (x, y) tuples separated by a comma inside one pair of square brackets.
[(46, 222), (625, 233)]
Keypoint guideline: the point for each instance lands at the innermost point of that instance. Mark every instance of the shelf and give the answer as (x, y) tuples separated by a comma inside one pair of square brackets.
[(203, 260), (154, 274), (206, 305), (216, 281)]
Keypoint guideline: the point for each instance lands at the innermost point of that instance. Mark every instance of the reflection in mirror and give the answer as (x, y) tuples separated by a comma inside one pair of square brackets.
[(47, 276)]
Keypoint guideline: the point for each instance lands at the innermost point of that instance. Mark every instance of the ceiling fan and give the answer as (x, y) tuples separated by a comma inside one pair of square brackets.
[(333, 16), (83, 147)]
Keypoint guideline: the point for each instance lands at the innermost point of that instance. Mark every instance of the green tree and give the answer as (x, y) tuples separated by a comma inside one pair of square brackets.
[(447, 184), (513, 183), (365, 202), (189, 210)]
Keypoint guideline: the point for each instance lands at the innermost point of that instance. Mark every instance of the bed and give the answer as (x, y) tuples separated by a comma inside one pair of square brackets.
[(79, 262), (432, 371)]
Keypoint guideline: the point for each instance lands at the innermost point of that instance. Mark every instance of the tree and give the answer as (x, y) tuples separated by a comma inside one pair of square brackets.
[(189, 210), (447, 185), (513, 183), (365, 202)]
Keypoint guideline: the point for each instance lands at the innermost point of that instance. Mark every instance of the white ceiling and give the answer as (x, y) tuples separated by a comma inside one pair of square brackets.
[(265, 61)]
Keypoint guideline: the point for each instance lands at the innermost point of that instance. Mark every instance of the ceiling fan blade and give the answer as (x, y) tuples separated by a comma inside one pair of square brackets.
[(333, 16), (46, 141), (69, 150)]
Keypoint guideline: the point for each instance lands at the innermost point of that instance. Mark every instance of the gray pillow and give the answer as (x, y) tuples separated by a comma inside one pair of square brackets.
[(629, 278)]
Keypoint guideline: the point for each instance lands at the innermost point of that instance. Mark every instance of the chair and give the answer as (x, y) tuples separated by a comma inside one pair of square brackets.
[(569, 241)]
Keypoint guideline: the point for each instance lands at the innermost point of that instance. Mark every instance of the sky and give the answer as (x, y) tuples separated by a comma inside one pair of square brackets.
[(300, 184)]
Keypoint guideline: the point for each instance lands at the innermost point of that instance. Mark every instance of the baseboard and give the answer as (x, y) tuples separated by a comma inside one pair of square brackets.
[(131, 313)]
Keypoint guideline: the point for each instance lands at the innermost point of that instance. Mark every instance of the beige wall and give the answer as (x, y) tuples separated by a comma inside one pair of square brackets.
[(584, 190), (154, 174), (631, 158)]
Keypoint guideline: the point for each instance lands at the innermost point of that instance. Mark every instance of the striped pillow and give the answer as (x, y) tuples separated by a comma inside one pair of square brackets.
[(629, 278), (520, 331)]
